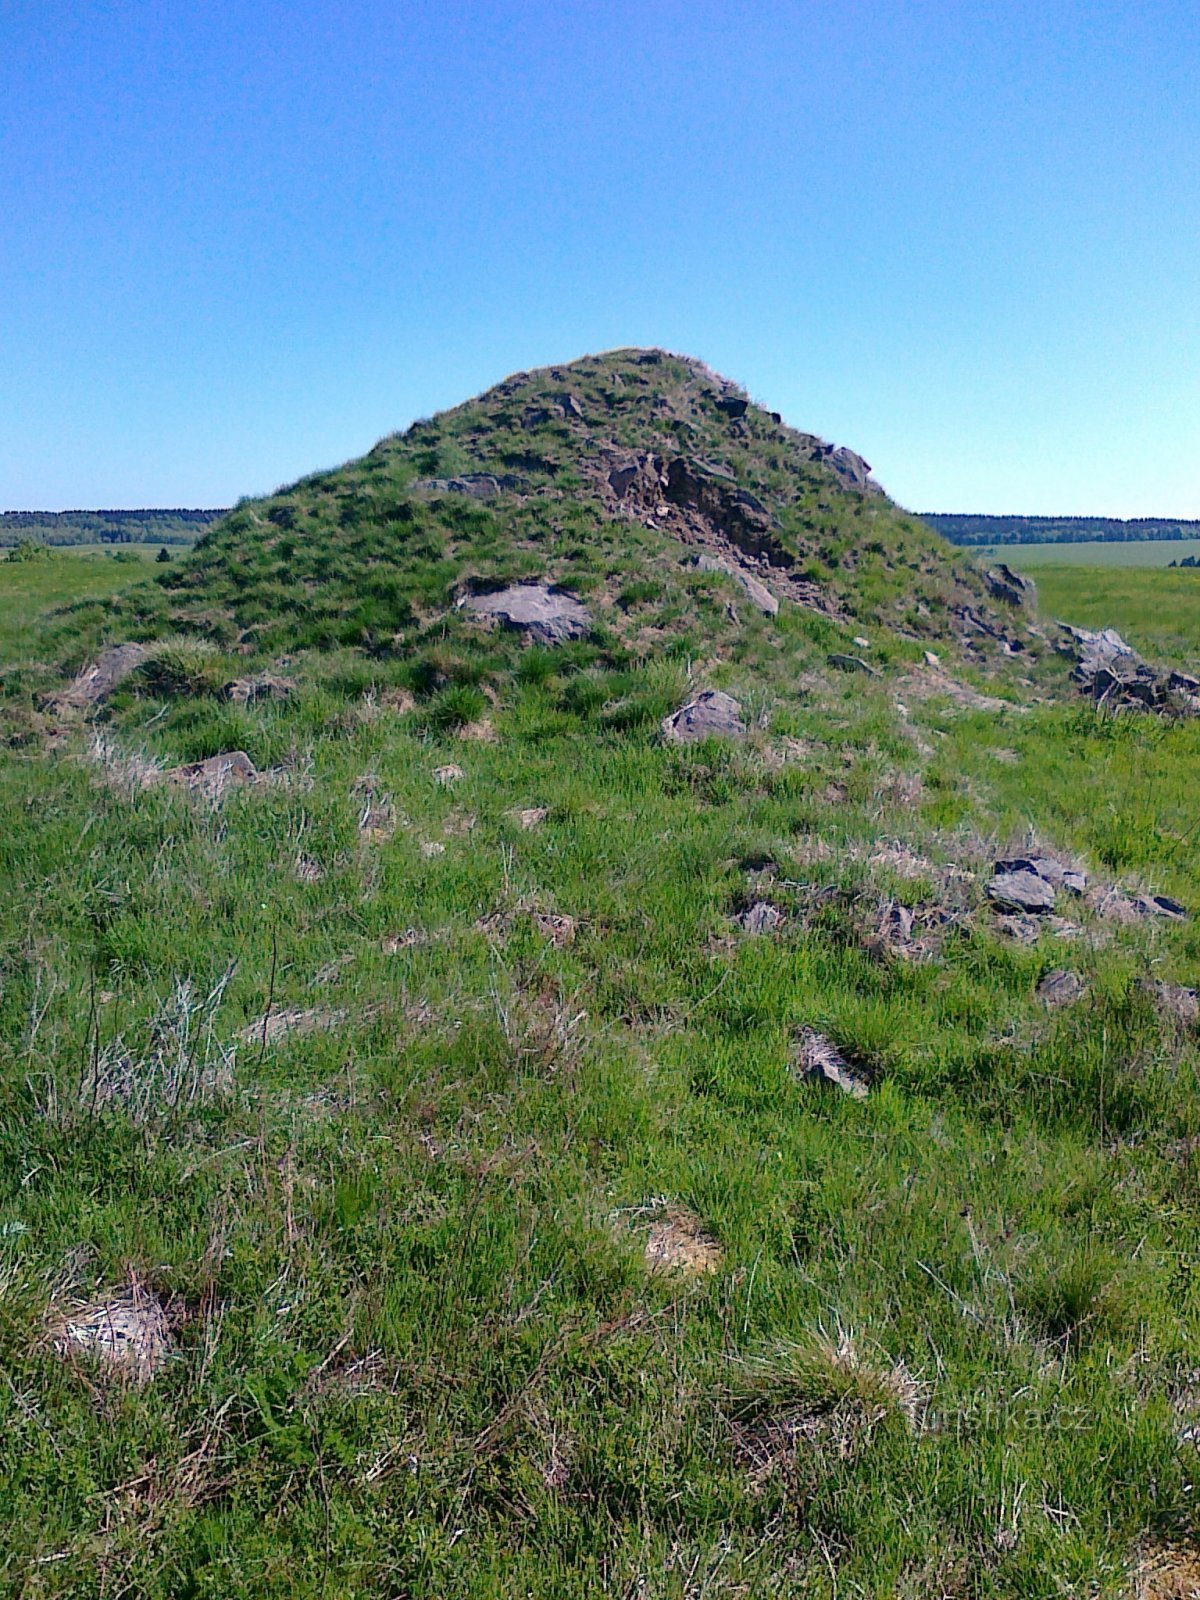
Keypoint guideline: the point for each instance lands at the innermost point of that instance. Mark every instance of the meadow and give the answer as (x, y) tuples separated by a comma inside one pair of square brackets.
[(454, 1123), (1094, 553)]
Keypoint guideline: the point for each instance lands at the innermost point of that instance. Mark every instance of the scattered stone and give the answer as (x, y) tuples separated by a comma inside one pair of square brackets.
[(458, 824), (1021, 892), (553, 925), (128, 1334), (713, 714), (852, 664), (96, 682), (932, 659), (863, 644), (756, 592), (289, 1023), (818, 1057), (543, 612), (409, 939), (1118, 905), (377, 823), (480, 732), (397, 701), (571, 407), (732, 406), (478, 485), (1113, 673), (1060, 988), (761, 917), (264, 686), (431, 848), (212, 778), (447, 775), (1028, 930)]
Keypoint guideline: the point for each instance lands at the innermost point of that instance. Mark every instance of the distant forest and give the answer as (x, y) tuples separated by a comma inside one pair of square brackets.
[(965, 529), (105, 527)]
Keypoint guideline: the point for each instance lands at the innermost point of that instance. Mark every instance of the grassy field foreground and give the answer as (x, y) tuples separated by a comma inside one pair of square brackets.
[(526, 1261)]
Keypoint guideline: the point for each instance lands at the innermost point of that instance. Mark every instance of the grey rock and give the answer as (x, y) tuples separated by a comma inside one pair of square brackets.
[(263, 686), (755, 591), (97, 681), (213, 777), (547, 614), (761, 917), (1021, 892), (819, 1058), (1048, 869), (1095, 650), (478, 485), (852, 664), (571, 407), (732, 405), (1177, 1001), (711, 715), (1060, 988)]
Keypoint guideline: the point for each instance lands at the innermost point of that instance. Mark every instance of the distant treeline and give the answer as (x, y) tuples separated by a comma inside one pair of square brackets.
[(105, 527), (966, 529)]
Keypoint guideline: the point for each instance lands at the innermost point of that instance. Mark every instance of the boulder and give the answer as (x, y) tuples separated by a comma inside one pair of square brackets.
[(211, 778), (1009, 586), (544, 613), (732, 406), (1048, 869), (711, 715), (819, 1058)]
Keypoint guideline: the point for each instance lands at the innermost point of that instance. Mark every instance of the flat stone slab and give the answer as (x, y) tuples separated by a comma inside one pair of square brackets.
[(713, 714), (547, 614), (1022, 891)]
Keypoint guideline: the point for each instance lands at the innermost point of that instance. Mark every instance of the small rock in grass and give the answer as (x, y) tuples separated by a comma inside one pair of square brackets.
[(128, 1334), (713, 714), (818, 1057), (447, 775), (1177, 1001), (544, 613), (212, 778), (677, 1243), (531, 816), (262, 686), (431, 848), (290, 1022), (761, 917), (1060, 988)]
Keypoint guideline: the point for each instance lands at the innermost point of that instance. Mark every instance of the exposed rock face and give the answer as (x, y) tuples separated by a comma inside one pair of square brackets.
[(850, 467), (711, 715), (544, 613), (739, 515), (97, 681), (1005, 584), (756, 592)]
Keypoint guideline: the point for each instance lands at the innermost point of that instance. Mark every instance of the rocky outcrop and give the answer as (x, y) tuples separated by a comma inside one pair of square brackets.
[(1113, 673), (542, 612), (478, 485), (1010, 587), (756, 592)]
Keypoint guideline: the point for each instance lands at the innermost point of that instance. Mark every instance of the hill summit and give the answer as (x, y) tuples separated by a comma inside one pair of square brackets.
[(639, 481)]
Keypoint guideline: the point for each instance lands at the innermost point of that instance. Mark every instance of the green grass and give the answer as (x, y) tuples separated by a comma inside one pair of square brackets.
[(1094, 553), (949, 1342)]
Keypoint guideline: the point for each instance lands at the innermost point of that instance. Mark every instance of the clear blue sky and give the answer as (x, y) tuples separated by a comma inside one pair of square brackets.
[(242, 239)]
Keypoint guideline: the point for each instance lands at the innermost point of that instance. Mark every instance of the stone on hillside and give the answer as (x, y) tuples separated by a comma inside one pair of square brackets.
[(1177, 1001), (1021, 892), (97, 681), (818, 1057), (211, 778), (571, 407), (757, 592), (263, 686), (732, 406), (128, 1335), (852, 664), (544, 613), (478, 485), (711, 715), (761, 917), (1060, 988), (450, 773), (1094, 650)]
